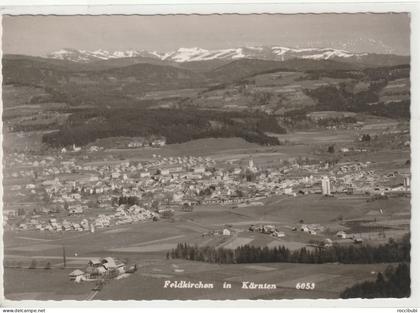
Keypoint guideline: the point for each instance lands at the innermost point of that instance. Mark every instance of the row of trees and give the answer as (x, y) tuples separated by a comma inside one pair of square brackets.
[(336, 121), (393, 283), (392, 251)]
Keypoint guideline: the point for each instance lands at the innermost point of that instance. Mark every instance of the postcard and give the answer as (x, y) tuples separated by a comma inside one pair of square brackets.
[(207, 156)]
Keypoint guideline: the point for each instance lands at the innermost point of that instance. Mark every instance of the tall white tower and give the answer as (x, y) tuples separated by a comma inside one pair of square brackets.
[(251, 165), (407, 183), (326, 186)]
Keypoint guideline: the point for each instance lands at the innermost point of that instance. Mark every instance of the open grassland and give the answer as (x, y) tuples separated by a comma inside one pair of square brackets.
[(160, 237), (329, 280), (42, 284), (148, 282)]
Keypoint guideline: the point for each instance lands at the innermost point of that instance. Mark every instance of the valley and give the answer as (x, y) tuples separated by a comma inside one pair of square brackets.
[(140, 156)]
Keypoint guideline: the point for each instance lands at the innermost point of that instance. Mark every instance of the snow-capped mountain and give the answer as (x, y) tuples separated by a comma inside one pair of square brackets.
[(84, 56), (181, 55)]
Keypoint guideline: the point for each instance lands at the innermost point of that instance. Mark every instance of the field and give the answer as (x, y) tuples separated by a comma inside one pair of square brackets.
[(147, 243), (148, 282)]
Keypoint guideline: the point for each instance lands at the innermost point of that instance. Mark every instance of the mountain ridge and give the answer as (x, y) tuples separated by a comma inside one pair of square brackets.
[(183, 55)]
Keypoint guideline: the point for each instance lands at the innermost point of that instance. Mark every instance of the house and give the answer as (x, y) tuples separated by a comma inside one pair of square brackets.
[(77, 275), (104, 266), (358, 240), (288, 191), (341, 234), (268, 229), (159, 142), (66, 225), (177, 197), (304, 228), (95, 262), (278, 234), (226, 232), (144, 174), (95, 267), (237, 171), (110, 263), (328, 243), (164, 172), (75, 210), (199, 169), (93, 149)]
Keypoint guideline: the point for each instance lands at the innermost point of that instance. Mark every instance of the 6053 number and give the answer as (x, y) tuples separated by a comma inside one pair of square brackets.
[(305, 286)]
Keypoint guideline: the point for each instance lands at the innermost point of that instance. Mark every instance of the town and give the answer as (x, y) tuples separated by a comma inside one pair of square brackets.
[(82, 196)]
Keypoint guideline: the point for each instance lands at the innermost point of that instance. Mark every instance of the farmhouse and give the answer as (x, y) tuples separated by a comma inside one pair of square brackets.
[(226, 232), (77, 275), (341, 234), (99, 267)]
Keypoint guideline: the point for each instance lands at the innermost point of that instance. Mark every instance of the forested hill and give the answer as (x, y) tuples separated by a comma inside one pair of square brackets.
[(176, 126), (221, 96)]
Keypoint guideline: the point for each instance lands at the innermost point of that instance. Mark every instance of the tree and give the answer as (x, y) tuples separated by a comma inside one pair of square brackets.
[(366, 137), (331, 149), (394, 284)]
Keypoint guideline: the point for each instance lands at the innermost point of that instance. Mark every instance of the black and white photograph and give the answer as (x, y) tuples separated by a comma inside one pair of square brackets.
[(206, 156)]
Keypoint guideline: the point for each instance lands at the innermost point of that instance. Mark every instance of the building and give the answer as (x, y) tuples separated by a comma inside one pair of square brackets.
[(100, 267), (199, 169), (77, 275), (326, 186), (341, 234), (278, 234), (226, 232), (407, 182), (251, 165), (328, 243)]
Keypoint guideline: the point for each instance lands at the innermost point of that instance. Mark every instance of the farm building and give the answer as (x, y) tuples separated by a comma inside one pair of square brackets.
[(341, 234), (77, 275), (278, 234), (100, 267), (328, 243), (226, 232)]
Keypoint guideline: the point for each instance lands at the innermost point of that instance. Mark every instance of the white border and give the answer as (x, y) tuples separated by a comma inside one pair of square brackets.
[(96, 7)]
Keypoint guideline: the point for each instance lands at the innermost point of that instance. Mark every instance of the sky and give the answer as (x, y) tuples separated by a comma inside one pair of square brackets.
[(361, 32)]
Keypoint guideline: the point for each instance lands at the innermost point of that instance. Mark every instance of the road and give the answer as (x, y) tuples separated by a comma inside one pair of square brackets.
[(92, 295)]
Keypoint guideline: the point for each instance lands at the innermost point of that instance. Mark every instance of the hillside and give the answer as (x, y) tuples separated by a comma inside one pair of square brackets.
[(383, 91), (49, 94)]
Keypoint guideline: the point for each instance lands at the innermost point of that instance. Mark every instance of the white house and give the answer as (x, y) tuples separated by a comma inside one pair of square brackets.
[(226, 232), (341, 234)]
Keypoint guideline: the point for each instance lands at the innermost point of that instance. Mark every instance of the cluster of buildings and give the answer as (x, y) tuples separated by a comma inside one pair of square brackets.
[(220, 232), (67, 187), (311, 229), (99, 268), (123, 214), (147, 142), (267, 229)]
